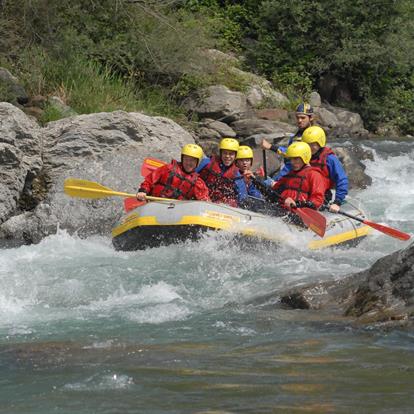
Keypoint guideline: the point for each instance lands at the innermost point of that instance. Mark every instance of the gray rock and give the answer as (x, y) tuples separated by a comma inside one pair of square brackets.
[(354, 168), (107, 148), (220, 127), (315, 99), (20, 157), (64, 110), (207, 133), (10, 88), (384, 293), (217, 102), (253, 126), (326, 117)]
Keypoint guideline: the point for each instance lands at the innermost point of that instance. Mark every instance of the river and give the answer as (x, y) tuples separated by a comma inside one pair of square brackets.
[(86, 329)]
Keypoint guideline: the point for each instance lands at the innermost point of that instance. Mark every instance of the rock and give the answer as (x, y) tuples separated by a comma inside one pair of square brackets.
[(341, 123), (384, 293), (33, 111), (388, 131), (207, 133), (353, 167), (280, 138), (273, 161), (253, 126), (210, 147), (220, 57), (326, 117), (20, 157), (10, 89), (220, 127), (273, 114), (61, 107), (37, 100), (315, 99), (217, 102), (107, 148)]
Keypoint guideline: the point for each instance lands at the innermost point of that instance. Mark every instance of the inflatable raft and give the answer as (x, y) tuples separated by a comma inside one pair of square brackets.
[(162, 223)]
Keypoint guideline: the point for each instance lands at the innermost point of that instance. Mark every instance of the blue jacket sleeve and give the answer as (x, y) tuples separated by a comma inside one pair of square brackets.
[(286, 169), (203, 163), (338, 176)]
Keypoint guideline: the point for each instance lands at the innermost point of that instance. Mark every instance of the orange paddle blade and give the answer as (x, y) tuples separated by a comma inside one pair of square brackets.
[(388, 230), (151, 164), (312, 219), (131, 202)]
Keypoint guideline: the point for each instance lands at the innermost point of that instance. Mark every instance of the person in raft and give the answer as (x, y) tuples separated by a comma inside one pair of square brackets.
[(250, 196), (178, 179), (304, 119), (303, 185), (222, 176), (325, 160)]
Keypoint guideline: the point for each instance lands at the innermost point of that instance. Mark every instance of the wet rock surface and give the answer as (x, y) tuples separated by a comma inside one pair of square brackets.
[(382, 294)]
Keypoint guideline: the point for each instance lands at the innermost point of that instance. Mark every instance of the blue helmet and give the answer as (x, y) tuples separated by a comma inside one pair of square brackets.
[(304, 108)]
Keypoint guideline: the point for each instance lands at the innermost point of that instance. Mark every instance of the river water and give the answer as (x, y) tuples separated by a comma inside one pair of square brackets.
[(85, 329)]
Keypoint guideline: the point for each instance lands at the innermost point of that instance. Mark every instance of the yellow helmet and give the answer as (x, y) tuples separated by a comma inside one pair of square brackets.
[(314, 134), (193, 150), (244, 152), (299, 149), (230, 144)]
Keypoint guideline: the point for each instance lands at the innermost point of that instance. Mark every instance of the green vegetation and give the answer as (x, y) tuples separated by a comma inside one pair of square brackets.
[(148, 55)]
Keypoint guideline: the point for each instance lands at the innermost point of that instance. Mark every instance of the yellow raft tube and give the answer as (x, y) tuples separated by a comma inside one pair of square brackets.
[(166, 222)]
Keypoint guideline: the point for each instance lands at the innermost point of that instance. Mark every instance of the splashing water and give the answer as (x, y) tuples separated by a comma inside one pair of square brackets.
[(121, 329)]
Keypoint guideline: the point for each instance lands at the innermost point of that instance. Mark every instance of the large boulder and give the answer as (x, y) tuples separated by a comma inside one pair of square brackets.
[(341, 123), (351, 160), (20, 158), (383, 293), (217, 102), (107, 148)]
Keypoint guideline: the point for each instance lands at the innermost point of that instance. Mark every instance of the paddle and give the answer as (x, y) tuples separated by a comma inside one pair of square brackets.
[(264, 163), (150, 164), (397, 234), (75, 187), (132, 202), (312, 219)]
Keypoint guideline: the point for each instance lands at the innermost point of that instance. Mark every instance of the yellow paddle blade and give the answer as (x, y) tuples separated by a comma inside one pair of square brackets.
[(75, 187)]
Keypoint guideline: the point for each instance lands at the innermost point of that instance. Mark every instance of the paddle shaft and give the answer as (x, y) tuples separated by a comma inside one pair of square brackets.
[(351, 216), (84, 191), (389, 231), (264, 163)]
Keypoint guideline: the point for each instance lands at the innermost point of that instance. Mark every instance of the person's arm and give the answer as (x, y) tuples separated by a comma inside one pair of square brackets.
[(338, 175), (150, 180), (203, 163)]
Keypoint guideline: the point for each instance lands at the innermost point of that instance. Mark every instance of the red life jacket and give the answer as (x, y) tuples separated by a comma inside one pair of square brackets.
[(221, 185), (296, 185), (320, 163), (175, 183)]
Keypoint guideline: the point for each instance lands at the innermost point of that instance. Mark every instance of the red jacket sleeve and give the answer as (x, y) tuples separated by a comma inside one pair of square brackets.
[(152, 178), (201, 190), (318, 186)]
